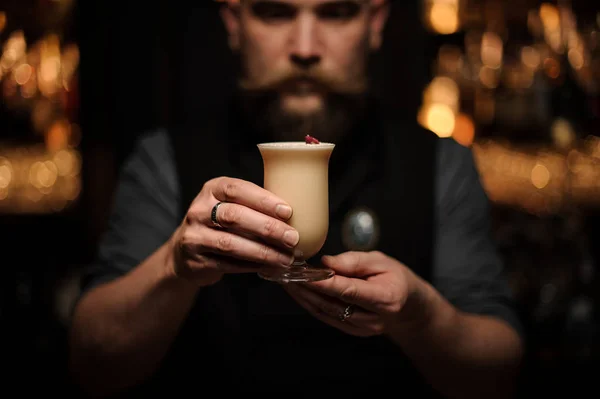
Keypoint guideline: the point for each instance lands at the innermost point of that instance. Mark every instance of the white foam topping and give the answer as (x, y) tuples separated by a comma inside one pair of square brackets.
[(296, 145)]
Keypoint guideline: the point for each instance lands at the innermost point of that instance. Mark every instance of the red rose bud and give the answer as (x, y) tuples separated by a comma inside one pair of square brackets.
[(311, 140)]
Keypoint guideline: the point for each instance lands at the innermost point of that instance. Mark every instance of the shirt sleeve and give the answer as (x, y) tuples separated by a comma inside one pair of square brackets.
[(468, 269), (144, 211)]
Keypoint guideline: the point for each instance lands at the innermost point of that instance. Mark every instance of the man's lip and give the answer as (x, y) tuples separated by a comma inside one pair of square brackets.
[(302, 86)]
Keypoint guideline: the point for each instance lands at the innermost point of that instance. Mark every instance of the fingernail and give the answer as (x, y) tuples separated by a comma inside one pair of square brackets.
[(291, 238), (286, 260), (283, 211)]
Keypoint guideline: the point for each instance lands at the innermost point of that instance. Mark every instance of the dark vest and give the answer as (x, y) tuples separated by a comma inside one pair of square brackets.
[(246, 334)]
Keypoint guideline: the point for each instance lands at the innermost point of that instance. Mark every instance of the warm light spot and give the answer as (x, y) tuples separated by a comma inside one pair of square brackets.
[(71, 188), (439, 118), (491, 50), (540, 176), (57, 136), (550, 16), (576, 58), (43, 174), (67, 162), (562, 133), (2, 20), (488, 77), (464, 130), (552, 68), (442, 90), (50, 65), (530, 57), (443, 17), (13, 50), (23, 73), (6, 174)]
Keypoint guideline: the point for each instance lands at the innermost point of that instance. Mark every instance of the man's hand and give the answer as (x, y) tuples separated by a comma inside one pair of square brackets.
[(380, 291), (253, 232), (460, 354)]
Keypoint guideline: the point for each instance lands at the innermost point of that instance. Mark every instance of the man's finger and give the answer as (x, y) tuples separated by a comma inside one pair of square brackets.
[(326, 318), (244, 220), (356, 264), (245, 193), (333, 306), (350, 290), (204, 241)]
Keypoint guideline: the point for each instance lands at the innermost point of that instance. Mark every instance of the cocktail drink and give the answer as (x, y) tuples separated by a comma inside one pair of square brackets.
[(298, 173)]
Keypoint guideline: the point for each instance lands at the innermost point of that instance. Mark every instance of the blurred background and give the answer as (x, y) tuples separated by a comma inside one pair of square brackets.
[(517, 81)]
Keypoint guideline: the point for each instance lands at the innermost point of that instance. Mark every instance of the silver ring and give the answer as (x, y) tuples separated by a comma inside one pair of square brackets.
[(347, 313), (213, 215)]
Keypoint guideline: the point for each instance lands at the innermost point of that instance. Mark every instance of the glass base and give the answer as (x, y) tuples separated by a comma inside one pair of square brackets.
[(297, 273)]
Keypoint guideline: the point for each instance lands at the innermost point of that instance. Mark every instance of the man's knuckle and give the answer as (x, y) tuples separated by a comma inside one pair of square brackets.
[(204, 263), (230, 190), (186, 244), (390, 302), (229, 215), (270, 227), (193, 214), (223, 243), (209, 185), (265, 253), (349, 293), (377, 328)]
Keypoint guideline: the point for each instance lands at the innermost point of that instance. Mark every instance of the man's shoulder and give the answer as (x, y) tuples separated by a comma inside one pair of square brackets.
[(456, 171), (151, 160), (451, 153)]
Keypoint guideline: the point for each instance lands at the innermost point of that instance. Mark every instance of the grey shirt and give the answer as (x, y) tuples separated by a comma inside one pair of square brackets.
[(467, 270)]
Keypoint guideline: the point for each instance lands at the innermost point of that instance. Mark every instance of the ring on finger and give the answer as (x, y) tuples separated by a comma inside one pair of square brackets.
[(345, 315), (213, 215)]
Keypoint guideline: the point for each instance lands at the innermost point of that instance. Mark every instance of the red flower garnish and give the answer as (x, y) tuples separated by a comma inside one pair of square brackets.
[(311, 140)]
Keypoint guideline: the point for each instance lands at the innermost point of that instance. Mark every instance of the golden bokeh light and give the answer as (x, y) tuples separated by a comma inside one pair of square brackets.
[(563, 134), (540, 176), (464, 130), (6, 173), (2, 21), (439, 118), (531, 57), (57, 137), (443, 16), (491, 50), (550, 16), (22, 74)]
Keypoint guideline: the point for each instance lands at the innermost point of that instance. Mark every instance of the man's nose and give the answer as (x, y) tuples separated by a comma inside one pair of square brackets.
[(305, 48)]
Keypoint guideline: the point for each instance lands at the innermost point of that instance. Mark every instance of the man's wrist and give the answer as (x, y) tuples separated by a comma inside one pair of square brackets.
[(169, 266), (425, 310)]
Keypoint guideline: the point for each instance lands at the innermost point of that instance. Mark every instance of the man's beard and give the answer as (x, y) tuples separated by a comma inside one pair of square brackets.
[(342, 106)]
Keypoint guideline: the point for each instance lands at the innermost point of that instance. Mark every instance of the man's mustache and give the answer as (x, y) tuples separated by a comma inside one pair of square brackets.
[(319, 81)]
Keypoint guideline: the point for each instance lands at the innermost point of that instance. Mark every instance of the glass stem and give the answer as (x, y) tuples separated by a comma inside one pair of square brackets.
[(299, 264)]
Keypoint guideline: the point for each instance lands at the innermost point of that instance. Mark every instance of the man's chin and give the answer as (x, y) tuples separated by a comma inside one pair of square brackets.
[(304, 105)]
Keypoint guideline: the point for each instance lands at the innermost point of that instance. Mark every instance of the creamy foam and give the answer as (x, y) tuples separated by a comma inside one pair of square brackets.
[(296, 145)]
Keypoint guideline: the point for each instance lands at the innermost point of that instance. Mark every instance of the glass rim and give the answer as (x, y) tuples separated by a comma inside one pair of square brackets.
[(295, 145)]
